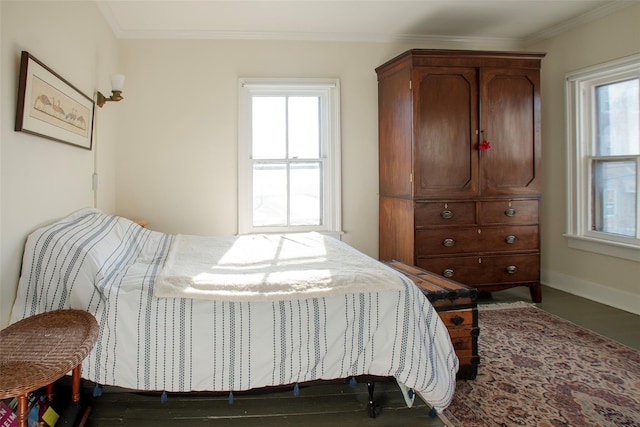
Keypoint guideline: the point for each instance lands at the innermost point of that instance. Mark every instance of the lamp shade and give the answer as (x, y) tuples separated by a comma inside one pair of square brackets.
[(117, 82)]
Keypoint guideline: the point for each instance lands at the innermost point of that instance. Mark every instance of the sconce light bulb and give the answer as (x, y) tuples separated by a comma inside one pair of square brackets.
[(117, 82)]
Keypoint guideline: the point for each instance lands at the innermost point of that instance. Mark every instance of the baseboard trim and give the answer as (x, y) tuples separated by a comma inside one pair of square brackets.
[(593, 291)]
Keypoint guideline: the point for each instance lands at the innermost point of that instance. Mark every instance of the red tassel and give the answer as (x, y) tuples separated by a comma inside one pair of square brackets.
[(484, 145)]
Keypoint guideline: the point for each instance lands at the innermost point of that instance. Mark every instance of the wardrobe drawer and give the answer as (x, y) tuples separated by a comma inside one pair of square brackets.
[(509, 212), (474, 240), (445, 213), (479, 270)]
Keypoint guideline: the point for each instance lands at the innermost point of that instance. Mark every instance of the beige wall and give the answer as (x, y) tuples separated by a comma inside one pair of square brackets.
[(40, 179), (177, 142), (610, 280), (174, 162), (177, 161)]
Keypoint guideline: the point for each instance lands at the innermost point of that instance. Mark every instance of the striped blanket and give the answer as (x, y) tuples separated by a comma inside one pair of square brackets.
[(108, 266)]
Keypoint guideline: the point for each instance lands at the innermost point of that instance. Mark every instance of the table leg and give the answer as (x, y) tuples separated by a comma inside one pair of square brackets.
[(50, 393), (75, 384), (23, 410)]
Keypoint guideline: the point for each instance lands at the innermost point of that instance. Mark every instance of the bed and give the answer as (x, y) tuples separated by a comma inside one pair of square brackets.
[(165, 326)]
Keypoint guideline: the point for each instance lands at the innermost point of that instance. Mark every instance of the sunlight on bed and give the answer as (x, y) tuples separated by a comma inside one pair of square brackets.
[(269, 266)]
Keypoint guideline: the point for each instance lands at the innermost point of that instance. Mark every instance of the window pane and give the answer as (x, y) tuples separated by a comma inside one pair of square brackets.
[(618, 118), (288, 155), (614, 198), (268, 127), (269, 195), (306, 194), (304, 127)]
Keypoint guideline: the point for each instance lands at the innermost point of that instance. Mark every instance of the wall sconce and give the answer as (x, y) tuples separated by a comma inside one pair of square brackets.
[(117, 83)]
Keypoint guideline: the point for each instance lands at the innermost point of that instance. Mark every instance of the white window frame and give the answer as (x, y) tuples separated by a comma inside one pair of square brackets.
[(328, 90), (580, 130)]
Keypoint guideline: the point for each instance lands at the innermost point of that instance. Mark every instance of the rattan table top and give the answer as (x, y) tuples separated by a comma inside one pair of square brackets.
[(42, 348)]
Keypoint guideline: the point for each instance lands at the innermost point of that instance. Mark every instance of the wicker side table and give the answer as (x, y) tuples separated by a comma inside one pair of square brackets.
[(38, 350)]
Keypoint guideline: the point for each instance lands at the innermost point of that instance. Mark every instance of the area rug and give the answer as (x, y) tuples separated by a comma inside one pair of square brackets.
[(539, 370)]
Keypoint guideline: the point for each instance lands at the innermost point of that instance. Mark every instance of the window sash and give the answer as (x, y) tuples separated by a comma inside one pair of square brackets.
[(298, 203), (327, 90), (597, 208), (581, 154)]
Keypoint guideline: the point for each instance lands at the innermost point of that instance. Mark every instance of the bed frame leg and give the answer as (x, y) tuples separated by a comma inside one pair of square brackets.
[(373, 409)]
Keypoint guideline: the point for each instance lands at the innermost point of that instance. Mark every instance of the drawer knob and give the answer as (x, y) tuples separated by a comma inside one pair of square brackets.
[(510, 239), (512, 269), (457, 320), (448, 242), (446, 214), (448, 272), (510, 212)]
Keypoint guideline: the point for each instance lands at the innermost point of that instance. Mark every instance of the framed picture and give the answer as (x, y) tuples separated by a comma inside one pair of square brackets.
[(51, 107)]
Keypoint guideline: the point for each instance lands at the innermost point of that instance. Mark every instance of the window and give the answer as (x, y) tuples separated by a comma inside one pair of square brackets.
[(603, 133), (289, 155)]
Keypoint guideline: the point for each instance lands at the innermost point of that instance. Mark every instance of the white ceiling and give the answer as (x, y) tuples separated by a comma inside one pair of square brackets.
[(520, 21)]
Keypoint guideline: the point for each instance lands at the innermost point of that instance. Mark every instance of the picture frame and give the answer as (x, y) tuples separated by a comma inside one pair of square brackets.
[(51, 107)]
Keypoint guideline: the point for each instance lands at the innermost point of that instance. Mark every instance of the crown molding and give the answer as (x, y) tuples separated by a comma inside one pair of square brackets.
[(462, 41), (585, 18), (108, 15), (331, 37), (466, 41)]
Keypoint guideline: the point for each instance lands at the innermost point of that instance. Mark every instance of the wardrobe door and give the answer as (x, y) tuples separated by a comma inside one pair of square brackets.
[(510, 122), (445, 125)]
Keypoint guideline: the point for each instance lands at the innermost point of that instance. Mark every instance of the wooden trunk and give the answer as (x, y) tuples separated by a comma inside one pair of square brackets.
[(456, 304)]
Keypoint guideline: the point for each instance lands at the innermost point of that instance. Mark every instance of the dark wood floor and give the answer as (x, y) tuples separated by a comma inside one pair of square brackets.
[(330, 404), (317, 405)]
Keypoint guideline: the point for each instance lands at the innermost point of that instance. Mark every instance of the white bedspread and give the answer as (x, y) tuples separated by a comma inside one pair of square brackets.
[(108, 266), (268, 267)]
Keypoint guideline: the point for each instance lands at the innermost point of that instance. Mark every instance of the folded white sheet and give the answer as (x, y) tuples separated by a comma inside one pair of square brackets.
[(269, 267)]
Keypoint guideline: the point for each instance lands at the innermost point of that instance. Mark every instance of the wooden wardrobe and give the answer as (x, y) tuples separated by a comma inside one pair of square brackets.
[(459, 165)]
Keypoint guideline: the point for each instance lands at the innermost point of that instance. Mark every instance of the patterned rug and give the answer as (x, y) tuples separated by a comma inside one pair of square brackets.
[(539, 370)]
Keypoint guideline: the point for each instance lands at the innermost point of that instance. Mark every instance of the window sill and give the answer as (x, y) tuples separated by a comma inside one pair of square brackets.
[(335, 234), (614, 249)]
